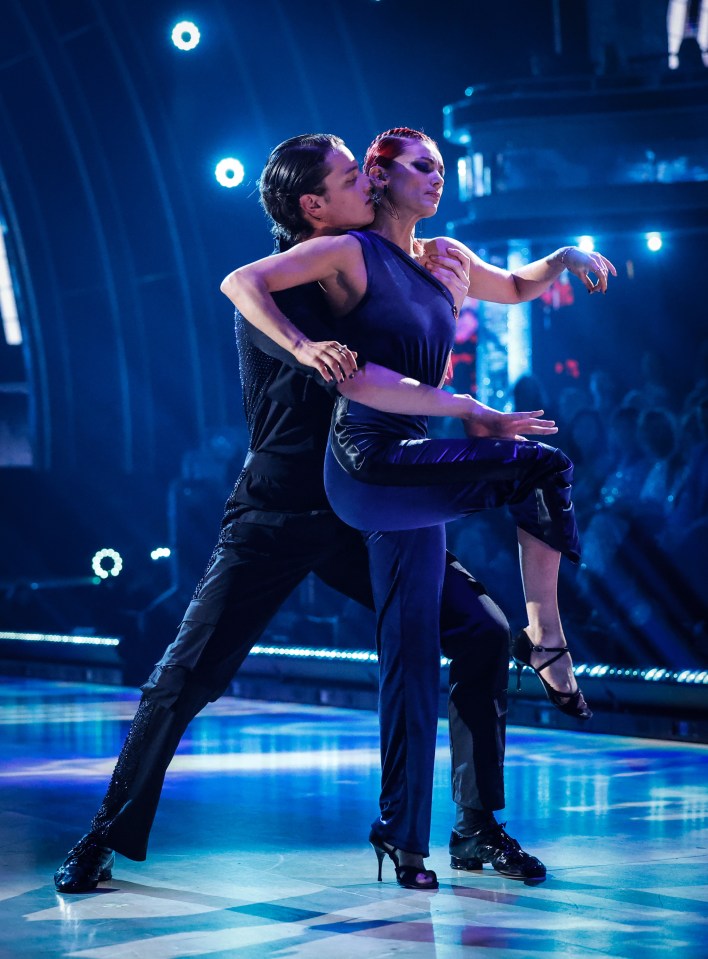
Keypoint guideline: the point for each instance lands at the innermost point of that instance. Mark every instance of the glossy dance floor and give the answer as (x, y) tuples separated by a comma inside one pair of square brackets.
[(259, 845)]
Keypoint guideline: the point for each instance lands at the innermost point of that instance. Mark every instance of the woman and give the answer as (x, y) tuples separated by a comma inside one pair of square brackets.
[(384, 477)]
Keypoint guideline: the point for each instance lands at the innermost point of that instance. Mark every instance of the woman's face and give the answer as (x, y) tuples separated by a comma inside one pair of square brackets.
[(416, 178)]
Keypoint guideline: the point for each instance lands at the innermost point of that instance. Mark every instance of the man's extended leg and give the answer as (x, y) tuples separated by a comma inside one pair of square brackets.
[(252, 571), (475, 637)]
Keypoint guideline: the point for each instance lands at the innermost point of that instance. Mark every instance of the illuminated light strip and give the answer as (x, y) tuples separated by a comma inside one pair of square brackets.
[(698, 677), (655, 674), (329, 655), (56, 638), (595, 671), (8, 304)]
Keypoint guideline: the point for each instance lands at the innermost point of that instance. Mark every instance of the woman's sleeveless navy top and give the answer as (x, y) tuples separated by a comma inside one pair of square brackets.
[(405, 321)]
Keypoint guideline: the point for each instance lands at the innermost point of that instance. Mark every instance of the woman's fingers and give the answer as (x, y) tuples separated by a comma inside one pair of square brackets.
[(601, 267), (533, 418), (540, 427), (531, 423), (609, 265)]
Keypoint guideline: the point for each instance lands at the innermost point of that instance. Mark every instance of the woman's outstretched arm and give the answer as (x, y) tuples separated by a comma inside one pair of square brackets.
[(391, 392), (491, 283)]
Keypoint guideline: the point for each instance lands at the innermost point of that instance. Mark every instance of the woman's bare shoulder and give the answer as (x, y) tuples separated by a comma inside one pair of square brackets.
[(441, 244)]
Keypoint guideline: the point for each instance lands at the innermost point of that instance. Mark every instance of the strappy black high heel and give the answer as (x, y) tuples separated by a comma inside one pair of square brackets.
[(407, 876), (572, 704)]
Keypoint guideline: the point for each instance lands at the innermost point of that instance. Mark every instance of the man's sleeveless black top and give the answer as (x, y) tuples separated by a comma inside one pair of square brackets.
[(287, 412)]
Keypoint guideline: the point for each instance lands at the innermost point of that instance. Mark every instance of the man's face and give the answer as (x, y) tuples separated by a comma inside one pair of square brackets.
[(346, 202)]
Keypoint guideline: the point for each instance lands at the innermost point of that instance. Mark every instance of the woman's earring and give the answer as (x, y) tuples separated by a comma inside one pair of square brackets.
[(378, 193), (379, 189)]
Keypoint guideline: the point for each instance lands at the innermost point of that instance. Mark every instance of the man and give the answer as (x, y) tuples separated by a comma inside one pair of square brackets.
[(278, 527)]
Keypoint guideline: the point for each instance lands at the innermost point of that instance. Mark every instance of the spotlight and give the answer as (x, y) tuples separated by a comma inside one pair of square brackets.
[(162, 552), (654, 242), (185, 35), (229, 172), (586, 244), (107, 562)]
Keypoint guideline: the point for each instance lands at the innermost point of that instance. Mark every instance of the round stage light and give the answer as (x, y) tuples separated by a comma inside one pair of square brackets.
[(586, 244), (654, 242), (162, 552), (229, 172), (107, 562), (185, 35)]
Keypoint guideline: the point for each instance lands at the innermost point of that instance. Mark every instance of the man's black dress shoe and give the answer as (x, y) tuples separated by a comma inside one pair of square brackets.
[(490, 843), (87, 864)]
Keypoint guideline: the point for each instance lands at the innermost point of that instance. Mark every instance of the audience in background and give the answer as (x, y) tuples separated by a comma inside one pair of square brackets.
[(657, 437), (652, 392), (604, 392), (571, 400), (586, 442), (629, 464), (528, 394), (641, 498)]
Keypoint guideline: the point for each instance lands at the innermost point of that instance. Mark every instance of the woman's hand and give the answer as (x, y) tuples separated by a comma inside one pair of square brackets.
[(492, 423), (334, 361), (451, 267), (580, 264)]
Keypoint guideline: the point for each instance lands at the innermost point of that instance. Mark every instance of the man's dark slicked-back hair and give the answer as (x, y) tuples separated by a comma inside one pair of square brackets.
[(295, 167)]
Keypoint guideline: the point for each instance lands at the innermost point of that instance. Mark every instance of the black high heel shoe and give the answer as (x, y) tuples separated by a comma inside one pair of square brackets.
[(406, 876), (572, 704)]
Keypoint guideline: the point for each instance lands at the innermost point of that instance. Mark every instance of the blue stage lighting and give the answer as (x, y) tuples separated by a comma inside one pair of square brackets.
[(586, 244), (229, 172), (107, 562), (162, 552), (185, 35), (58, 638), (654, 242), (693, 677)]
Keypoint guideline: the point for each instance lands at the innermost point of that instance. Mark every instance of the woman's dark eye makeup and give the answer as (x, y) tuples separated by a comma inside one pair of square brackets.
[(426, 166)]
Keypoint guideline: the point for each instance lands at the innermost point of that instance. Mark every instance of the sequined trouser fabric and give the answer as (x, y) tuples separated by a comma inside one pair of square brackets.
[(261, 557), (380, 482)]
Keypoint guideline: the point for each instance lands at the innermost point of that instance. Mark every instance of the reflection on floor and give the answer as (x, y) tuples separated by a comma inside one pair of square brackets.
[(259, 846)]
